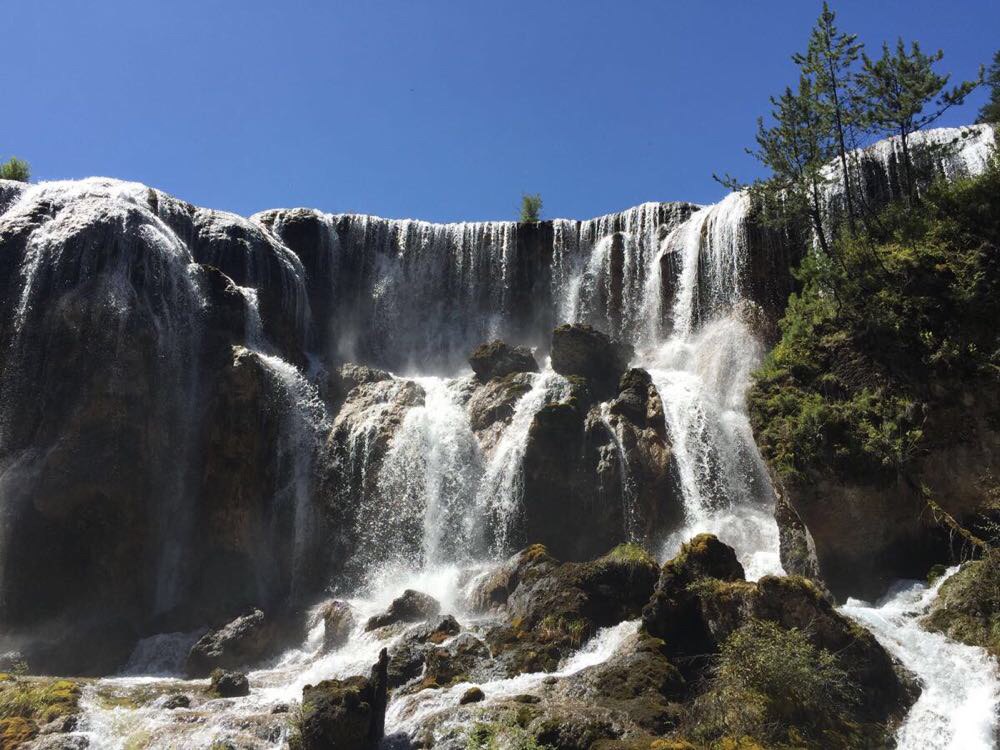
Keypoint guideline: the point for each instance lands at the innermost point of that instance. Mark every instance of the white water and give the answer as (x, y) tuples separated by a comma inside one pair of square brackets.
[(502, 488), (957, 708)]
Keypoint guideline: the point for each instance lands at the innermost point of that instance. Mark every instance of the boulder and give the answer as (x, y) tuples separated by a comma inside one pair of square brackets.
[(702, 598), (456, 662), (346, 714), (472, 695), (338, 623), (228, 684), (410, 606), (406, 657), (237, 644), (583, 351), (552, 608), (178, 700), (498, 359)]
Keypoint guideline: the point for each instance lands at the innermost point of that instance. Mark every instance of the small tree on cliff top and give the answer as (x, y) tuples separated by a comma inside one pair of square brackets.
[(531, 207), (15, 169)]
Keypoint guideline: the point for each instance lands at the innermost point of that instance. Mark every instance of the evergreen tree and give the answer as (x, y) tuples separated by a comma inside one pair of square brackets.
[(991, 110), (15, 169), (795, 148), (531, 208), (829, 60), (900, 93)]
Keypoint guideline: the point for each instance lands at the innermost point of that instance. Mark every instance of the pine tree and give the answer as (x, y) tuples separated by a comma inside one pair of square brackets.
[(15, 169), (531, 208), (795, 148), (829, 60), (900, 93), (991, 110)]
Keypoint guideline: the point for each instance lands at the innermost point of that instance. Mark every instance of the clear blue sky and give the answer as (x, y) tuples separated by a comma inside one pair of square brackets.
[(436, 110)]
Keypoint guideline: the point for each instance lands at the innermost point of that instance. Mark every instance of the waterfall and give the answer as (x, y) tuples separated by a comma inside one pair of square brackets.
[(960, 685), (427, 485), (501, 491)]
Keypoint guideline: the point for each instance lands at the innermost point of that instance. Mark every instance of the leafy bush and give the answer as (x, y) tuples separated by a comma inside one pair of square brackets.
[(773, 686), (15, 169), (531, 208), (895, 315)]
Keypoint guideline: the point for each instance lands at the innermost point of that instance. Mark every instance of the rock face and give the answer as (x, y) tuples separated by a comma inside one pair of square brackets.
[(498, 359), (702, 598), (583, 351), (345, 714), (240, 643), (870, 531)]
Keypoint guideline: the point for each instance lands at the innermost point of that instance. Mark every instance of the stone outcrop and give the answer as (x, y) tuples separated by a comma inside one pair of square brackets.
[(498, 359), (338, 623), (410, 606), (239, 643), (345, 714), (583, 351)]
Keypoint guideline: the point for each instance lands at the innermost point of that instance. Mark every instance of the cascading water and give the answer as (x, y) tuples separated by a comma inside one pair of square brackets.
[(960, 685)]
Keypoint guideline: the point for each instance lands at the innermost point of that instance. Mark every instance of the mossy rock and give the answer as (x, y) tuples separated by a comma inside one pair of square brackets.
[(15, 731), (967, 607)]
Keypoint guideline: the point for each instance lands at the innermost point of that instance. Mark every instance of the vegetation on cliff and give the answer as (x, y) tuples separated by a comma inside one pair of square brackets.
[(902, 313)]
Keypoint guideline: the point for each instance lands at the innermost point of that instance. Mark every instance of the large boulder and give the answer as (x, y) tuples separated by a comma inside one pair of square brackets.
[(491, 406), (702, 598), (550, 609), (338, 623), (229, 684), (346, 714), (239, 643), (407, 655), (410, 606), (497, 359), (583, 351)]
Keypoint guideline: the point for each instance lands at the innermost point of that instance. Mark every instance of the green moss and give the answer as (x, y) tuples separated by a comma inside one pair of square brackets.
[(967, 607), (505, 734), (630, 554)]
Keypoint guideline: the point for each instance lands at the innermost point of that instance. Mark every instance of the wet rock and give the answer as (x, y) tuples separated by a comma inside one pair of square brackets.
[(406, 658), (172, 702), (341, 381), (583, 351), (472, 695), (229, 684), (346, 714), (239, 643), (638, 681), (411, 606), (551, 609), (491, 406), (338, 622), (57, 742), (456, 662), (636, 415), (498, 359)]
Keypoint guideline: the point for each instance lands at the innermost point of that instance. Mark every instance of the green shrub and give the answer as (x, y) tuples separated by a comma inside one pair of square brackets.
[(15, 169), (773, 686), (531, 208)]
